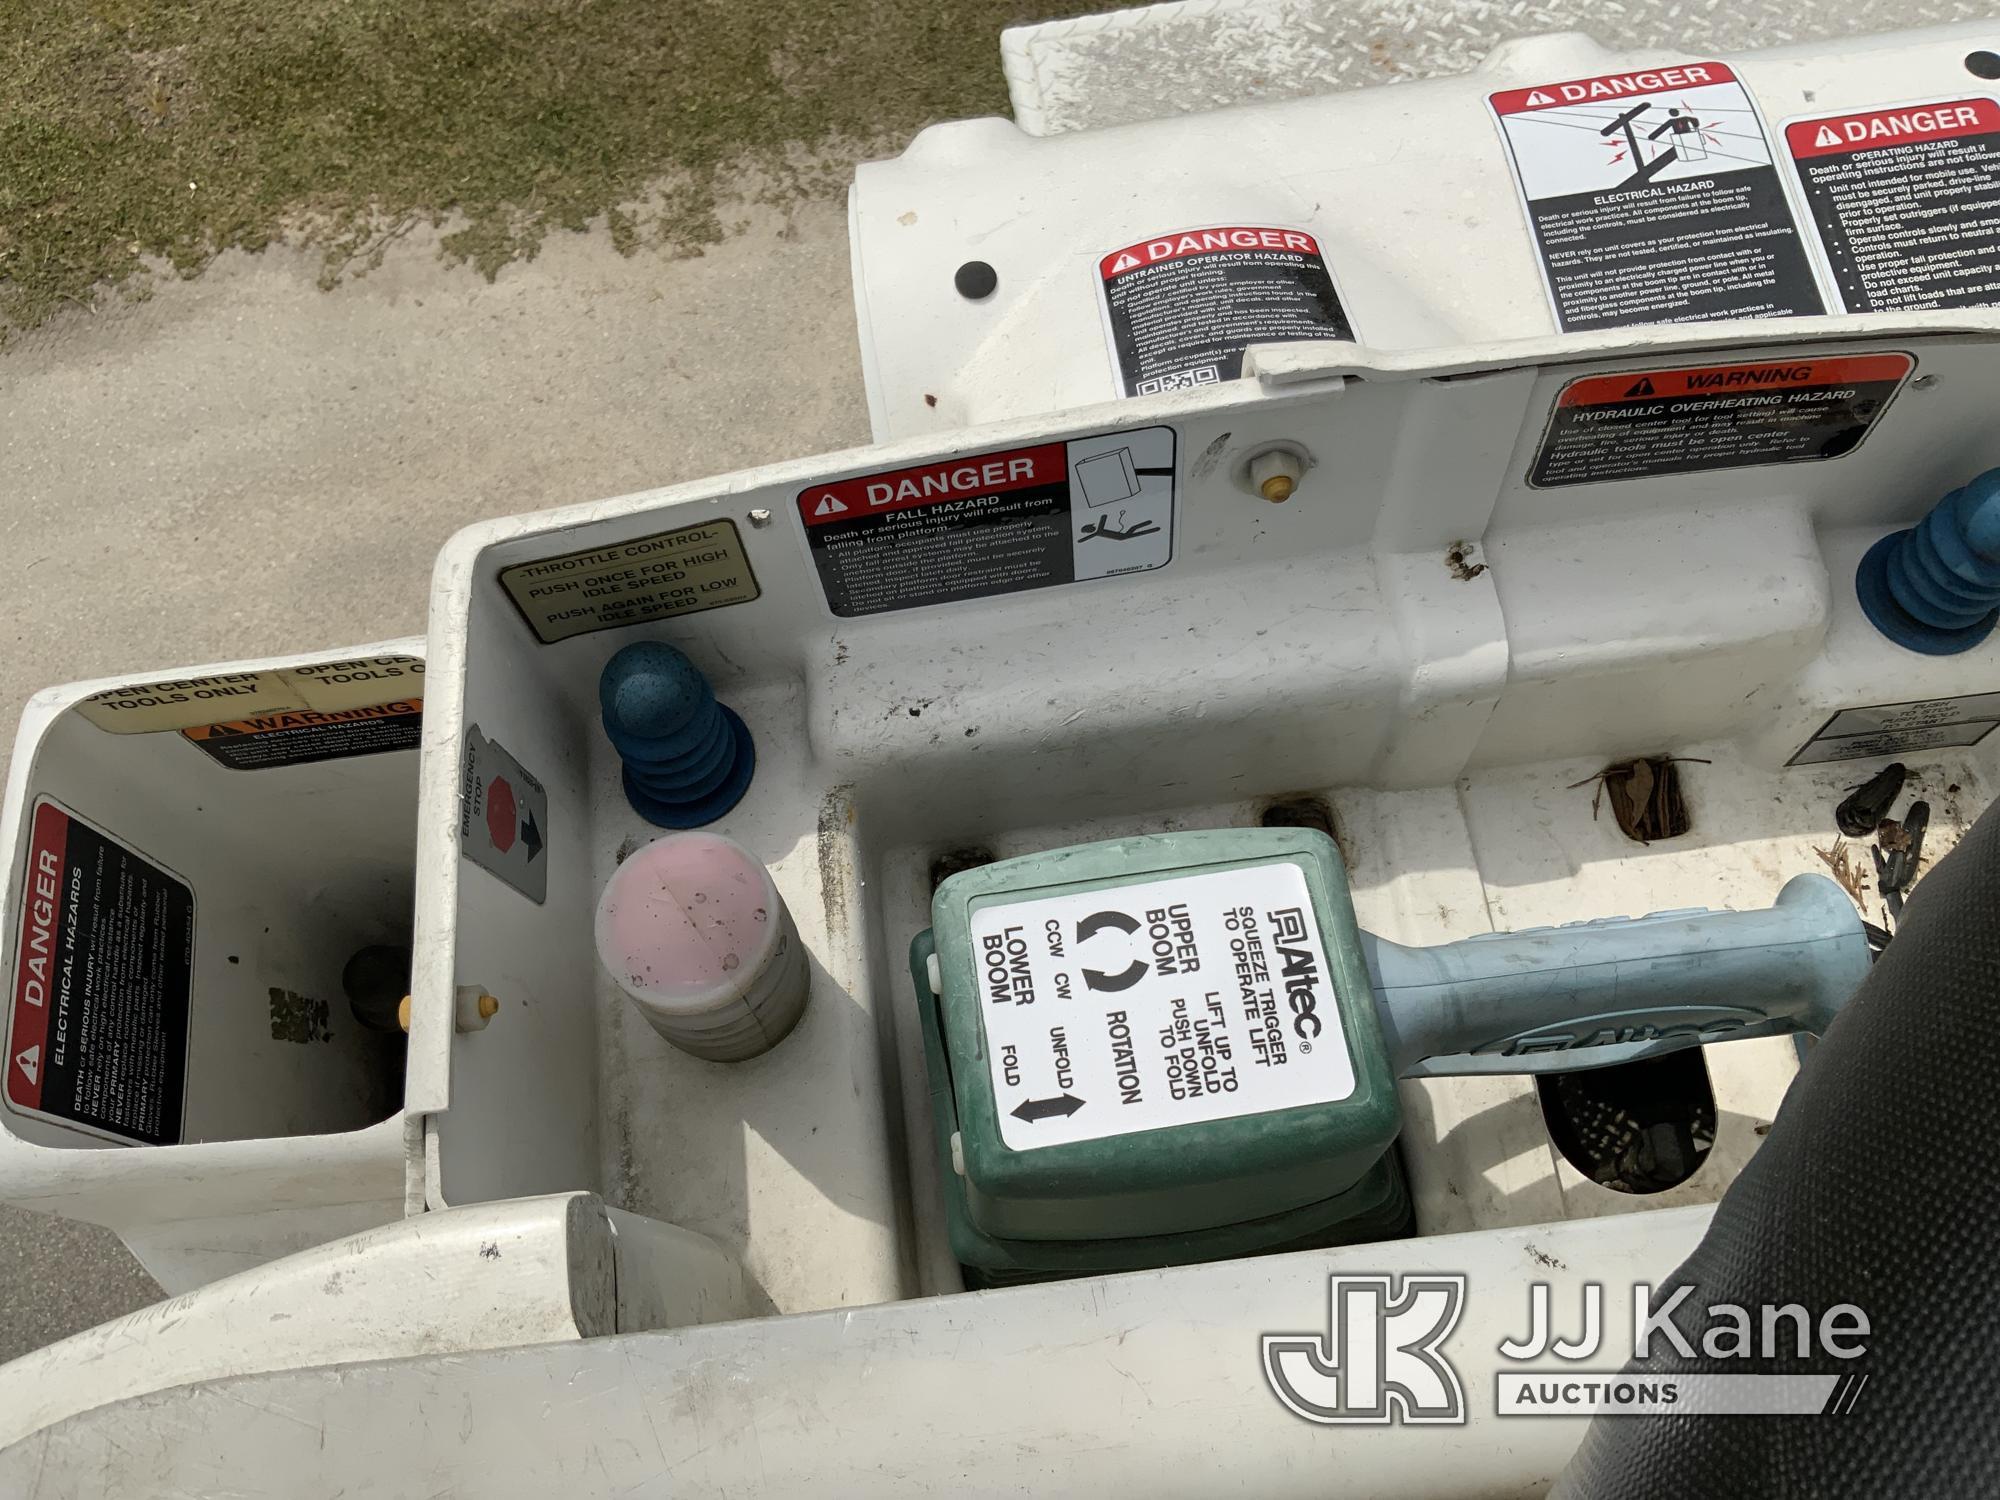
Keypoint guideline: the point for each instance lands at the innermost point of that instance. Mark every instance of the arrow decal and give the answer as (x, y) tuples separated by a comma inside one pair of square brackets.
[(1043, 1109)]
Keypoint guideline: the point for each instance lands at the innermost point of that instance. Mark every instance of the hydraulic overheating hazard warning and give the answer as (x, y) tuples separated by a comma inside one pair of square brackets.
[(1166, 1003), (267, 741), (1653, 198), (994, 523), (1906, 202), (1180, 309), (1642, 423), (98, 1035)]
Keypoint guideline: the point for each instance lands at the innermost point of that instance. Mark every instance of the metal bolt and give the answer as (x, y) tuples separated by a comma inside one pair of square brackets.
[(1276, 473), (760, 519), (1923, 382)]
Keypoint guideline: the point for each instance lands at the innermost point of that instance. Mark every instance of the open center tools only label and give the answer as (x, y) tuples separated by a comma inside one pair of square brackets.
[(1143, 1007), (102, 975), (1641, 423), (1906, 202), (1653, 198), (994, 523)]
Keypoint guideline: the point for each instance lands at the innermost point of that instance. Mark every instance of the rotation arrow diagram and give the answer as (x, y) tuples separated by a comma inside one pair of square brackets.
[(531, 835), (1042, 1109)]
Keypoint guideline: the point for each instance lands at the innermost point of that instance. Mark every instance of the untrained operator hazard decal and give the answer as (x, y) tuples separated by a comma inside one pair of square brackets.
[(1641, 423), (98, 1036), (993, 523), (1148, 1006)]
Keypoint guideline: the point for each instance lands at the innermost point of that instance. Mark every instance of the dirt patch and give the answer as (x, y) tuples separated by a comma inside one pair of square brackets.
[(138, 135)]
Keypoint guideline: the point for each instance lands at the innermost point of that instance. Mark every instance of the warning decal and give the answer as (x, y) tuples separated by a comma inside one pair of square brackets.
[(1901, 729), (1906, 202), (1652, 198), (1641, 423), (503, 816), (993, 523), (1180, 310), (1147, 1006), (99, 1030), (323, 686), (301, 738), (628, 583)]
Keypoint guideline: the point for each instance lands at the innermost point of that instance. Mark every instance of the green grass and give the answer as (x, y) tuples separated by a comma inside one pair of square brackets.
[(131, 130)]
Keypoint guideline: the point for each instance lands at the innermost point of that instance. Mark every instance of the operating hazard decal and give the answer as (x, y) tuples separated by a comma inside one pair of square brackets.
[(1147, 1006), (1653, 198), (1906, 202), (267, 741), (630, 583), (1180, 309), (103, 967), (1641, 423), (1901, 729), (503, 816), (993, 523)]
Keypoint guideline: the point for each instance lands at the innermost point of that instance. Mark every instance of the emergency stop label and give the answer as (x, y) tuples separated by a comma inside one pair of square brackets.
[(994, 523), (302, 738), (1180, 310), (1653, 198), (629, 583), (1901, 729), (1144, 1007), (1906, 202), (102, 974), (1643, 423)]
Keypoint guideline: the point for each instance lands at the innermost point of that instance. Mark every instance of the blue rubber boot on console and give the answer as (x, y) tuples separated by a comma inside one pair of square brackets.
[(688, 760)]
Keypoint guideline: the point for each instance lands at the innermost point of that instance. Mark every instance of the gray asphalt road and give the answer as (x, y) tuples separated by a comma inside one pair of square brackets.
[(246, 465)]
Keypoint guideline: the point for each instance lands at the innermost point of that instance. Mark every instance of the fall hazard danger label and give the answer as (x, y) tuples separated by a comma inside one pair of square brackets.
[(993, 523), (1652, 197), (98, 1035), (1642, 423), (1906, 202), (266, 741), (1180, 309)]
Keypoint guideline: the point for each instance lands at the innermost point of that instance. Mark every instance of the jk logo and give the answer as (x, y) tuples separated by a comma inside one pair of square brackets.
[(1379, 1360)]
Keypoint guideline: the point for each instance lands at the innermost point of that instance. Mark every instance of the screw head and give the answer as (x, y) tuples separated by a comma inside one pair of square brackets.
[(975, 280), (760, 518)]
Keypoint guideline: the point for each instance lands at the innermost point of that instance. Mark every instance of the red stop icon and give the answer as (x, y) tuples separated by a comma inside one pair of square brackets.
[(503, 818)]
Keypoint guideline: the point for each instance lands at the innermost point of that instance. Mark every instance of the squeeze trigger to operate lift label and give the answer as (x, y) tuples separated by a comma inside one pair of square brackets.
[(1152, 1005)]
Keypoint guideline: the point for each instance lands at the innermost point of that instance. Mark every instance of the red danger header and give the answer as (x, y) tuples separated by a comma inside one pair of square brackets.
[(1877, 128), (1735, 380), (1180, 245), (934, 484), (37, 970), (1611, 88)]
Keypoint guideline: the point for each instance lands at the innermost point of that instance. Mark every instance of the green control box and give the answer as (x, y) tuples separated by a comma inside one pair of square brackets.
[(1156, 1050)]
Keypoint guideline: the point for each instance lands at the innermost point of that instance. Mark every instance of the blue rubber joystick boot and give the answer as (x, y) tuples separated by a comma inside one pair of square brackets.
[(688, 760), (1936, 587)]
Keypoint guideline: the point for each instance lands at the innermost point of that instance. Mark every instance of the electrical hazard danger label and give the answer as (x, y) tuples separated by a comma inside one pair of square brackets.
[(1906, 202), (1902, 729), (1180, 309), (267, 741), (1642, 423), (994, 523), (103, 967), (1653, 198), (1148, 1006)]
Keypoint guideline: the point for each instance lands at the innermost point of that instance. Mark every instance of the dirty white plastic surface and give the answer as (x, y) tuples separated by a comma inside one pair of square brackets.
[(692, 928)]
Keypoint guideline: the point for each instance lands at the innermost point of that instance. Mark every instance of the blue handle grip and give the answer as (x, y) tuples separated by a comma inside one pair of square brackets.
[(1596, 993)]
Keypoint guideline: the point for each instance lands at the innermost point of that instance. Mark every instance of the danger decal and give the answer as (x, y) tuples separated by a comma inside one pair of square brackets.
[(1652, 197), (103, 969), (1181, 309), (1905, 202), (1639, 424), (993, 523)]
